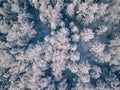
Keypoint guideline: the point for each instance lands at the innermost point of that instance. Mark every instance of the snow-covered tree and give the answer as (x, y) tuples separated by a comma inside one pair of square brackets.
[(59, 45)]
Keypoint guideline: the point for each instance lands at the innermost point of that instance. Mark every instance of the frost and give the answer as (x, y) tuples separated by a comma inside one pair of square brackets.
[(20, 32), (115, 51), (113, 13), (102, 30), (59, 45), (86, 35), (97, 48), (86, 12), (70, 9), (95, 72)]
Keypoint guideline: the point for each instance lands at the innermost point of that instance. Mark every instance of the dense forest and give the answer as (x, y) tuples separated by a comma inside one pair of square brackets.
[(59, 44)]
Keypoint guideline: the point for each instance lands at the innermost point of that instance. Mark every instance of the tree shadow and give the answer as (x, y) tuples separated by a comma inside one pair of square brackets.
[(41, 29), (69, 76)]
